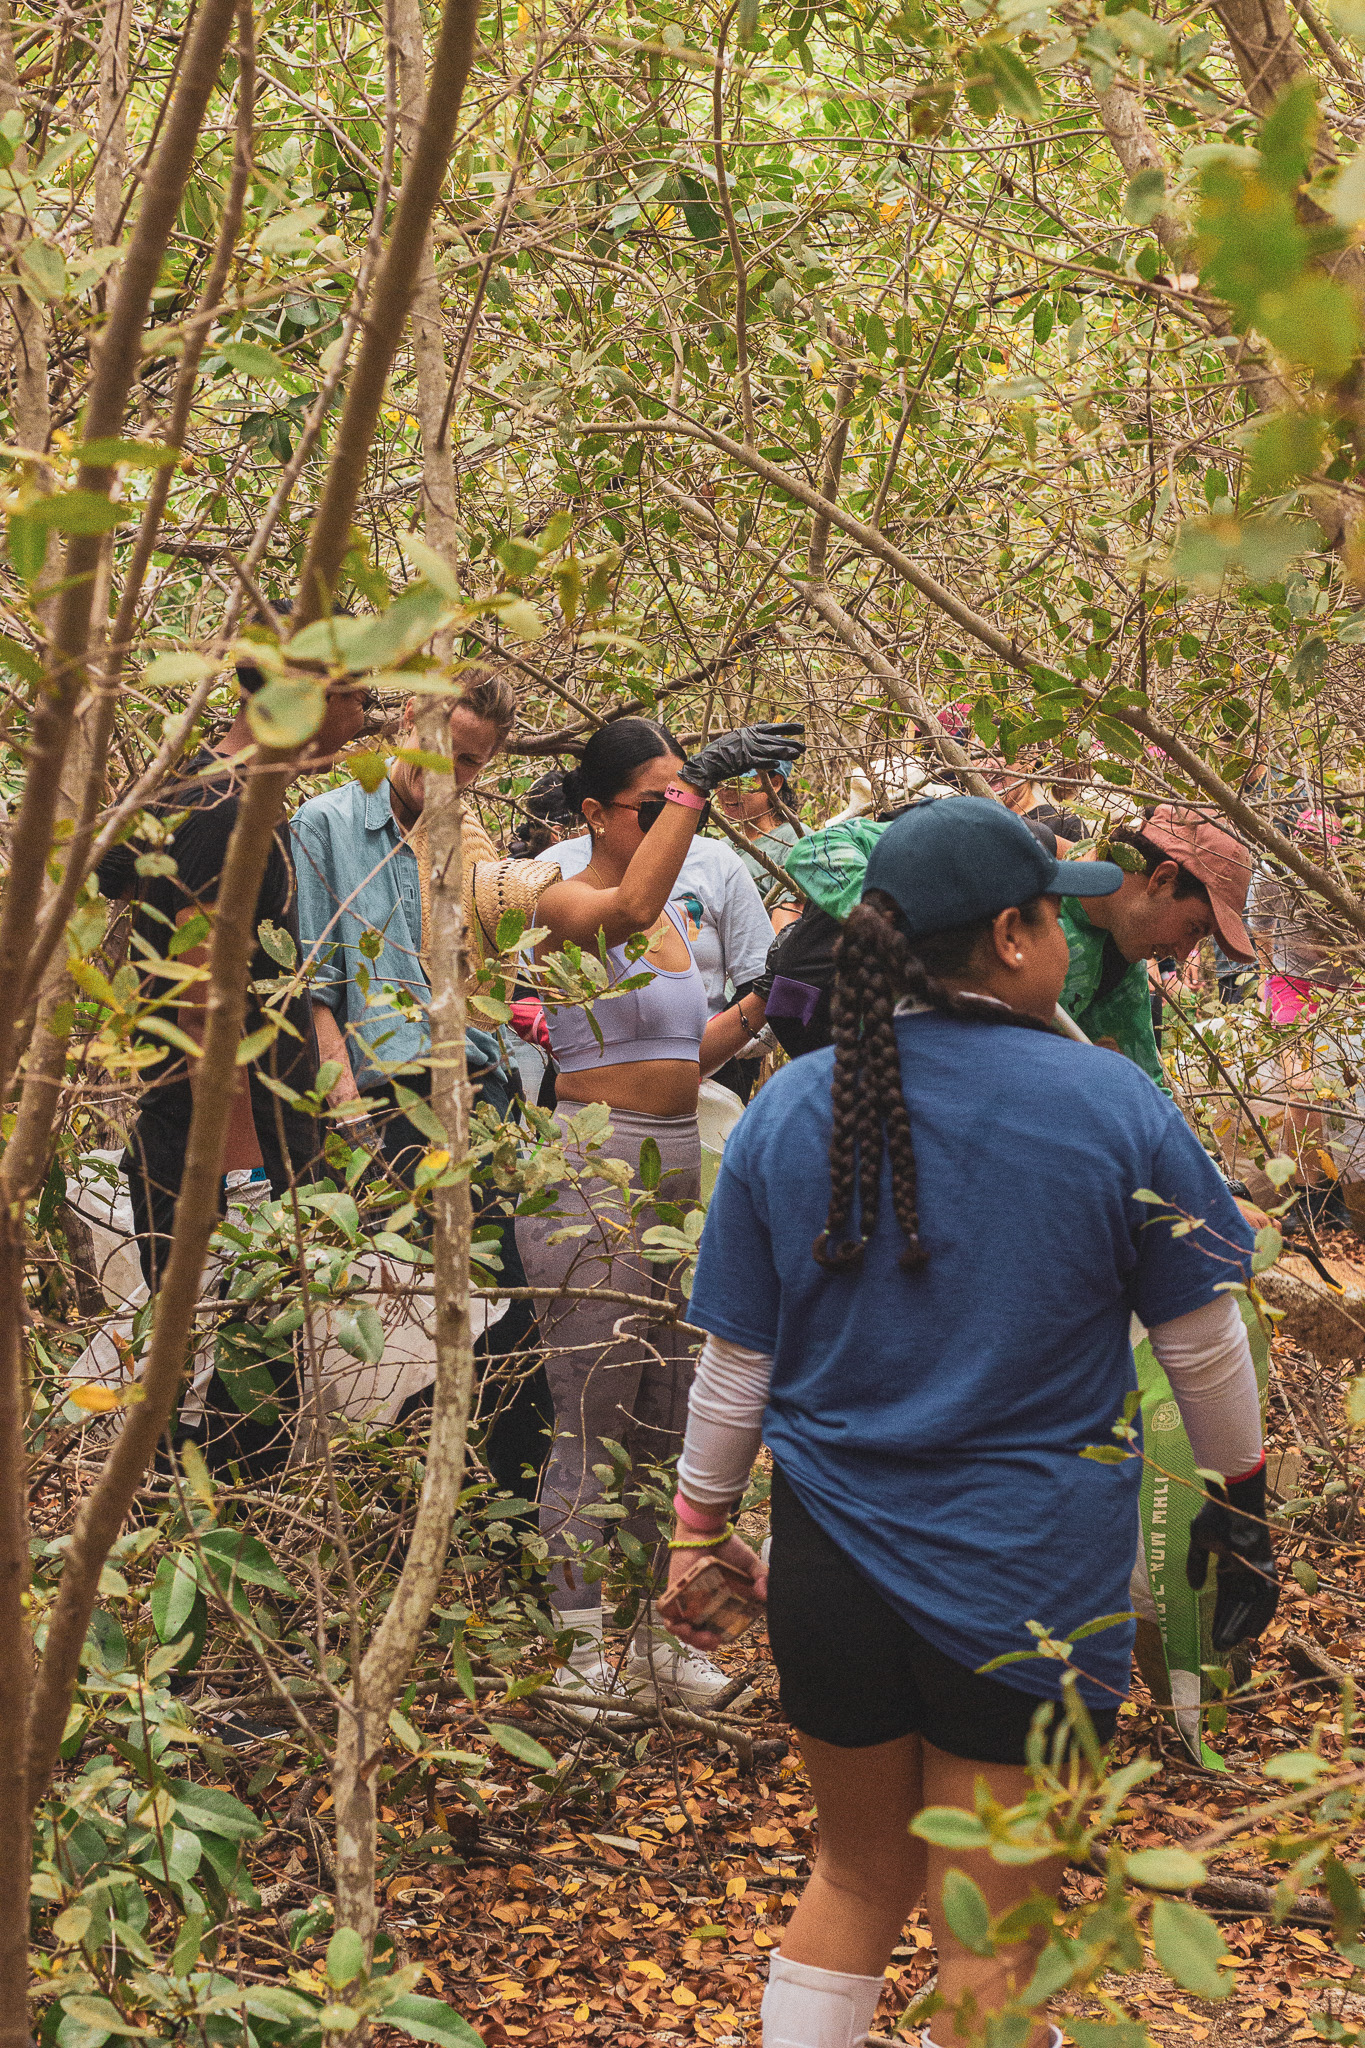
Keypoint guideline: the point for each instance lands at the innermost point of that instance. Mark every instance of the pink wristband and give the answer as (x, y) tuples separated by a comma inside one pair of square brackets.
[(677, 793), (696, 1519)]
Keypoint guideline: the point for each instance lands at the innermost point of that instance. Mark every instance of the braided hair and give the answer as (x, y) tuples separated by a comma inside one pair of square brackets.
[(874, 968)]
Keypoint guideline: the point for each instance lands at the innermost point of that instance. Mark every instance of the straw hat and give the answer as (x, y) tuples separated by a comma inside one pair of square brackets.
[(493, 887)]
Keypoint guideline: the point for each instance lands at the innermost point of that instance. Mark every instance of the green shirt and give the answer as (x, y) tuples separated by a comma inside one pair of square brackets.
[(1123, 1012), (777, 844)]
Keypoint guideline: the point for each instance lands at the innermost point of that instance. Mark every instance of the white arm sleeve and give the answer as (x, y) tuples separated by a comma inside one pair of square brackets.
[(724, 1422), (1207, 1359)]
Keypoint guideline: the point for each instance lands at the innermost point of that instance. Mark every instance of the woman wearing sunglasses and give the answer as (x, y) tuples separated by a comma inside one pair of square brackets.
[(751, 804), (613, 1375)]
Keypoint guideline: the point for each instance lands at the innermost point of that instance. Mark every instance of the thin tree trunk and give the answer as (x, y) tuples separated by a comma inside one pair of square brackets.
[(116, 365), (101, 716), (112, 162), (428, 338), (363, 1727), (363, 1724), (387, 313), (196, 1215)]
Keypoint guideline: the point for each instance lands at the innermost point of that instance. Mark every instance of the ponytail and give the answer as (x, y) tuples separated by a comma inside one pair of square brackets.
[(874, 968)]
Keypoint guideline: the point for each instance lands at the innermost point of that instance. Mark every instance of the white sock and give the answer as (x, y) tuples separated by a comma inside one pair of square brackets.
[(1054, 2039), (808, 2008), (584, 1621)]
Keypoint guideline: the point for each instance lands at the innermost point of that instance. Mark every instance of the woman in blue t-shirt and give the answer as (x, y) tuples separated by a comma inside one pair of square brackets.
[(927, 1341)]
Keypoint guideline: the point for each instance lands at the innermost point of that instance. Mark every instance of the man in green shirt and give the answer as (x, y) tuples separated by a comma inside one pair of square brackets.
[(1189, 882)]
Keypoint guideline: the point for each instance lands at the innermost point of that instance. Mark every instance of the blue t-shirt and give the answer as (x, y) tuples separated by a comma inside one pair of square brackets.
[(931, 1422)]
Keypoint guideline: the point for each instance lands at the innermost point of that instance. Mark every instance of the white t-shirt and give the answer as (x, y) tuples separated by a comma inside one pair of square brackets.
[(729, 929)]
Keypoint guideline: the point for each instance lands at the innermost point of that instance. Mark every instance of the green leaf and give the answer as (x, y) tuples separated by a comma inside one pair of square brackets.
[(345, 1958), (948, 1827), (521, 618), (1189, 1946), (1166, 1870), (520, 558), (1105, 1454), (19, 661), (78, 512), (1314, 323), (1297, 1767), (368, 769), (43, 270), (99, 2013), (1108, 2033), (260, 365), (1011, 78), (1289, 445), (967, 1914), (651, 1165), (1304, 1573), (174, 1590), (427, 2019), (522, 1746), (359, 1331), (112, 449), (1287, 135), (243, 1556), (1269, 1245), (703, 222), (286, 713), (168, 671), (1145, 196), (279, 944), (433, 568), (205, 1810)]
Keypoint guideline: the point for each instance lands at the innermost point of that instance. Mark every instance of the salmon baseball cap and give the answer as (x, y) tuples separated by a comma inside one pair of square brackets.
[(1220, 862)]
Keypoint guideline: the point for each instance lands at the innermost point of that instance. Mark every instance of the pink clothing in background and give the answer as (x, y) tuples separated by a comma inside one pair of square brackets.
[(528, 1021), (1287, 995)]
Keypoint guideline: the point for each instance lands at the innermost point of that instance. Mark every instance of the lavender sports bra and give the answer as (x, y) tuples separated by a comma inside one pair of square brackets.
[(662, 1021)]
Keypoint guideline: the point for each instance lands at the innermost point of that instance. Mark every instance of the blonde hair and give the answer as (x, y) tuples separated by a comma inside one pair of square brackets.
[(489, 694)]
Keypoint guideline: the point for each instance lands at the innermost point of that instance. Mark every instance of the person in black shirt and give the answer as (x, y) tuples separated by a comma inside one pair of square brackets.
[(266, 1132)]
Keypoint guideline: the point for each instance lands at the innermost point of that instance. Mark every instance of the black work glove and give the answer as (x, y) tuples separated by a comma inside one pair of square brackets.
[(746, 752), (1248, 1584)]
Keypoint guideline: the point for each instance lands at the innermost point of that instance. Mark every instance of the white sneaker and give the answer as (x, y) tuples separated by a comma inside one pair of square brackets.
[(662, 1668)]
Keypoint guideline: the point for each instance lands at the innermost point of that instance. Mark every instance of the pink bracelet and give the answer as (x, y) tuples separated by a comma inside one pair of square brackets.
[(700, 1521), (678, 793)]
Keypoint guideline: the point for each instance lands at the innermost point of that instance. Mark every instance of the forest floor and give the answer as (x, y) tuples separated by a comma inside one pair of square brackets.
[(640, 1905)]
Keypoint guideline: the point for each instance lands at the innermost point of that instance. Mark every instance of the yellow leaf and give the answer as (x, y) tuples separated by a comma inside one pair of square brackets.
[(96, 1399), (582, 2013), (436, 1159), (665, 219), (647, 1969), (1328, 1165), (682, 1996), (889, 213), (523, 19), (815, 362), (735, 1887)]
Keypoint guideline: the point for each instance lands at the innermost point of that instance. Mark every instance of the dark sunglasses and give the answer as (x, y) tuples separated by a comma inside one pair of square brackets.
[(652, 809)]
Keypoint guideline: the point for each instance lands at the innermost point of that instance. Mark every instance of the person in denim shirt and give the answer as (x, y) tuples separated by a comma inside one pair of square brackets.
[(360, 925)]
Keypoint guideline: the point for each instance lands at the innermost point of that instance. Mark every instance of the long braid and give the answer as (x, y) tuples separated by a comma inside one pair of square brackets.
[(874, 969)]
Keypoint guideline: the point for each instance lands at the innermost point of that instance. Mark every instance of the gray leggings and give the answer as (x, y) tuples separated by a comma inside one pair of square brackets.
[(613, 1371)]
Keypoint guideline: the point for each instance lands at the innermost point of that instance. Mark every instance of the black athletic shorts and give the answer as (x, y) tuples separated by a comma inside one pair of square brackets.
[(853, 1673)]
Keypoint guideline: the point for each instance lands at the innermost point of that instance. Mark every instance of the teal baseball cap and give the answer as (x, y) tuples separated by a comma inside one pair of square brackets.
[(961, 858)]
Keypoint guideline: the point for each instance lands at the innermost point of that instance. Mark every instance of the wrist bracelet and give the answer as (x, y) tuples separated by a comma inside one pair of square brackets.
[(704, 1523), (678, 793), (703, 1542)]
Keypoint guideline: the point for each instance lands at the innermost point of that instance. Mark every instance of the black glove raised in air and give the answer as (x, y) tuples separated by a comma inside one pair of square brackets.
[(746, 752), (1248, 1585)]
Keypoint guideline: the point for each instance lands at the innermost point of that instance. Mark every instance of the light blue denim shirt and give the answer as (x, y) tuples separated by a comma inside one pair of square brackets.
[(357, 875)]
